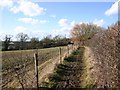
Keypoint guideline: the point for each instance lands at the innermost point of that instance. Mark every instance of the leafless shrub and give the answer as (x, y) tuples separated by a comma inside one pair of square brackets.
[(106, 48)]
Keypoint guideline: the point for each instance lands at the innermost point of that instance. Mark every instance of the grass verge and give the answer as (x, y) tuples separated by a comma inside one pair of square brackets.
[(87, 80)]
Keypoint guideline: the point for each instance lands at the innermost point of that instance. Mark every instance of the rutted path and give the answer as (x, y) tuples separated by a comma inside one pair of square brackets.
[(48, 67), (69, 73), (72, 72)]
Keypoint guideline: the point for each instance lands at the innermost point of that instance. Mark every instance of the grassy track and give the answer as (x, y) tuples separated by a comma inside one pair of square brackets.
[(68, 74), (73, 73)]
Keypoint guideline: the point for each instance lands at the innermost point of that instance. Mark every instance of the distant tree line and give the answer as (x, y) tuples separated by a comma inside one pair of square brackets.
[(24, 42), (80, 33)]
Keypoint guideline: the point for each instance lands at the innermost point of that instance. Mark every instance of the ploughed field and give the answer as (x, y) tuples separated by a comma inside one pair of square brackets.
[(24, 60)]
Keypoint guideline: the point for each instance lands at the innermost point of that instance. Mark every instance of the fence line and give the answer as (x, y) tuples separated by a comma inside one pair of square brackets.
[(33, 74)]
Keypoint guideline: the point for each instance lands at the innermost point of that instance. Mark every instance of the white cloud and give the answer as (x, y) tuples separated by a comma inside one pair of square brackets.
[(72, 23), (113, 10), (28, 20), (63, 22), (28, 8), (65, 27), (43, 21), (38, 33), (66, 23), (98, 22), (32, 21), (65, 31), (20, 29), (30, 32), (6, 3)]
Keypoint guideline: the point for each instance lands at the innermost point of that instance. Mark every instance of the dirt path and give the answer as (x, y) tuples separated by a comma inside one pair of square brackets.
[(48, 67), (67, 75), (72, 69)]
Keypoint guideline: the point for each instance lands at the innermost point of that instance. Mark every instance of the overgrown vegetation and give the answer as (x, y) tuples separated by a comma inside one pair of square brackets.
[(105, 47)]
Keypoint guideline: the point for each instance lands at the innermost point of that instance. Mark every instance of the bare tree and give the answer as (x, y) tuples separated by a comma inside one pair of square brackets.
[(22, 38), (7, 40), (34, 43), (82, 32)]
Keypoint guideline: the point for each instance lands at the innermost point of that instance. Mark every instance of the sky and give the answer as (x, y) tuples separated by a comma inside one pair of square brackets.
[(38, 19)]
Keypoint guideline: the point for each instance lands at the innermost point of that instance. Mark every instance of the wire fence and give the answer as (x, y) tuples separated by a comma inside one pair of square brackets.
[(28, 68)]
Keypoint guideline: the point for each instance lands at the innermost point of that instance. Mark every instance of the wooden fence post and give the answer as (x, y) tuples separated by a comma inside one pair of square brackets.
[(60, 54), (68, 50), (36, 68), (72, 47)]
